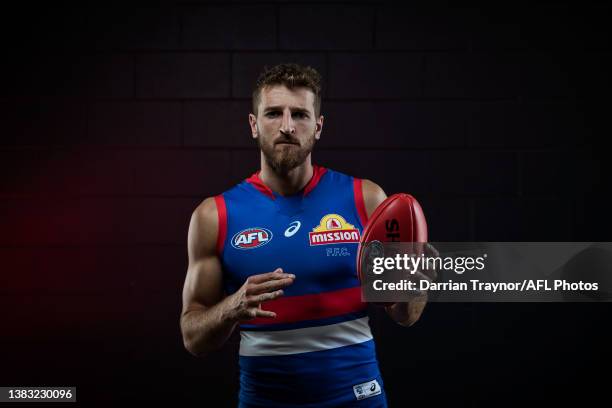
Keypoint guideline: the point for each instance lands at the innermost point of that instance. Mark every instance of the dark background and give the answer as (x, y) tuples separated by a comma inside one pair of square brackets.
[(116, 121)]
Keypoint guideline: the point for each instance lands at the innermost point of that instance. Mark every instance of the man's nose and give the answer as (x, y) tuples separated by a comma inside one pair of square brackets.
[(287, 126)]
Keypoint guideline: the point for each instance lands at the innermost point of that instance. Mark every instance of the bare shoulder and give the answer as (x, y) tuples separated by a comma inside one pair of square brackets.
[(203, 228), (203, 283), (206, 211), (373, 195)]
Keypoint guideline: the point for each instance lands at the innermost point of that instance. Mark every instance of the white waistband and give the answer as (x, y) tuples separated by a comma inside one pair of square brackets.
[(282, 342)]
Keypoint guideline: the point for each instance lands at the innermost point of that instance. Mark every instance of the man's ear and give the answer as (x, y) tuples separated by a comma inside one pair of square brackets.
[(253, 124), (319, 127)]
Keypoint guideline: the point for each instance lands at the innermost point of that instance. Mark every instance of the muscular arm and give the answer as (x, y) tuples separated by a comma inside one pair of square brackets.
[(208, 318), (205, 321), (404, 313)]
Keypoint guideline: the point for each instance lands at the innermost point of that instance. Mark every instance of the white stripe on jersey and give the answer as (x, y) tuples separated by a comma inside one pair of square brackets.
[(283, 342)]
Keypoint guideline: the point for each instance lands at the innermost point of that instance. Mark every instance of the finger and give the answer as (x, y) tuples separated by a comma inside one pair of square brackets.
[(429, 274), (256, 300), (411, 294), (417, 295), (432, 250), (269, 286), (421, 276), (434, 274), (254, 312), (262, 277), (263, 313)]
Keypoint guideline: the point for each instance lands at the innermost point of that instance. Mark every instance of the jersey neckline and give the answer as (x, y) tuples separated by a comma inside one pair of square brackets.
[(317, 173)]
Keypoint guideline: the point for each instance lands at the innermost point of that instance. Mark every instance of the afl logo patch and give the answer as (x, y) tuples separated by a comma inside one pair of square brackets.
[(251, 238)]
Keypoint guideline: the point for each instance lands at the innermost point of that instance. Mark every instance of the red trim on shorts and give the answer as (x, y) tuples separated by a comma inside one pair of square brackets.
[(359, 202), (222, 216), (290, 309)]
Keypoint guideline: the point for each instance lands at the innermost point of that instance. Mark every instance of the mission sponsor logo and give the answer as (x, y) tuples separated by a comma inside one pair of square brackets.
[(251, 238), (333, 229)]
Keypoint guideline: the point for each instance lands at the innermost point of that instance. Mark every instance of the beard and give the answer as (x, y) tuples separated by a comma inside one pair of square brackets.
[(284, 158)]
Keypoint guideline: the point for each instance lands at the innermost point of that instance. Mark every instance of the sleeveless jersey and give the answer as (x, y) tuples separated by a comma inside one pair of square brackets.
[(319, 349)]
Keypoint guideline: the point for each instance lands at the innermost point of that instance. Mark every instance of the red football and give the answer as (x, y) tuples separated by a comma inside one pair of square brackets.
[(399, 218)]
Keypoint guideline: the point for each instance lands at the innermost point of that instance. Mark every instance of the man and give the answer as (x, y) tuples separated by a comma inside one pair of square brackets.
[(275, 256)]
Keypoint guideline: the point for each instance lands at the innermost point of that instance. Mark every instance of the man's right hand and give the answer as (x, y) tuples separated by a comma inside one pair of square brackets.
[(209, 317), (245, 303)]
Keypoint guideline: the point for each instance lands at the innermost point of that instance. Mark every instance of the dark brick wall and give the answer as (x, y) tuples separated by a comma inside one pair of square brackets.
[(116, 121)]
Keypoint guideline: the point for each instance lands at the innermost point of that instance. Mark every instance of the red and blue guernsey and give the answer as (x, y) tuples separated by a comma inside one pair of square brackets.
[(319, 350)]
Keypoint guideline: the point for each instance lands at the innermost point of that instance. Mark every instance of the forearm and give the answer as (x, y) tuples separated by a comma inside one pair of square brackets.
[(407, 313), (207, 330)]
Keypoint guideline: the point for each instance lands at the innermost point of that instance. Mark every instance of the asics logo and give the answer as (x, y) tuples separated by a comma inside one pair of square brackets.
[(293, 228)]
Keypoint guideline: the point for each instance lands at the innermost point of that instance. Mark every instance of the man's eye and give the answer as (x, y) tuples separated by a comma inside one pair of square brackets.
[(300, 115), (272, 114)]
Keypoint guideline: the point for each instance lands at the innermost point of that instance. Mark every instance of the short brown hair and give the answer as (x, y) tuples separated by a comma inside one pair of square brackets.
[(292, 76)]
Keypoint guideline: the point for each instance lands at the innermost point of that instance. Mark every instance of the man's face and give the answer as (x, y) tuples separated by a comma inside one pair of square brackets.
[(286, 127)]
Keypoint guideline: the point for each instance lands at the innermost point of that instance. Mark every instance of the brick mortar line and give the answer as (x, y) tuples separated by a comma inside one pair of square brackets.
[(80, 52), (216, 148), (107, 100)]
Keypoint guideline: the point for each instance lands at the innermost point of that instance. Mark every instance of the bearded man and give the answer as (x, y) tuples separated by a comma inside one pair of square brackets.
[(275, 258)]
